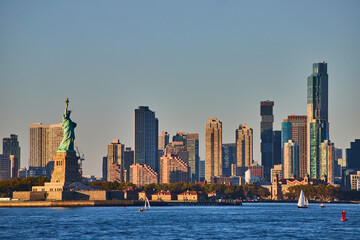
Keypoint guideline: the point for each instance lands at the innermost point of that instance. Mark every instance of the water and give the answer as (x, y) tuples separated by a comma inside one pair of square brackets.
[(250, 221)]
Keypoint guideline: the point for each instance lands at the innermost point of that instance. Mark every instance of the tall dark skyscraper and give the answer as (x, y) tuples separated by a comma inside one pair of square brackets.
[(277, 147), (11, 147), (266, 131), (228, 157), (353, 155), (192, 146), (146, 137), (317, 116)]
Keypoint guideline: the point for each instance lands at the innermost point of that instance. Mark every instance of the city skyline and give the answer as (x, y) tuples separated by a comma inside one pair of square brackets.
[(222, 71)]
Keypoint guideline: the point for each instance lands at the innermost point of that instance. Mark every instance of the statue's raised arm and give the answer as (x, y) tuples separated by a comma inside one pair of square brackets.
[(68, 126), (66, 107)]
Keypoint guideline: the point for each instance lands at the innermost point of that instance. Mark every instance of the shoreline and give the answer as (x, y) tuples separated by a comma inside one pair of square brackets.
[(134, 203)]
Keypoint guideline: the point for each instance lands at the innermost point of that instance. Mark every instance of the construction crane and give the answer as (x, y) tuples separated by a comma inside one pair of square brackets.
[(81, 158)]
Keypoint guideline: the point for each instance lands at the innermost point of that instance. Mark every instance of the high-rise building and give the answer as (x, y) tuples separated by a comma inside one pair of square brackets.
[(180, 137), (266, 130), (294, 128), (14, 168), (228, 158), (244, 146), (4, 167), (115, 161), (11, 147), (128, 161), (192, 147), (202, 170), (317, 115), (277, 147), (327, 160), (173, 169), (104, 168), (291, 159), (353, 155), (38, 145), (213, 151), (146, 137), (163, 140), (54, 136), (142, 174), (317, 136)]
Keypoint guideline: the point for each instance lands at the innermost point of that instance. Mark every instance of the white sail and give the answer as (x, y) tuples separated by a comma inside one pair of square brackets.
[(306, 202), (301, 202), (148, 203)]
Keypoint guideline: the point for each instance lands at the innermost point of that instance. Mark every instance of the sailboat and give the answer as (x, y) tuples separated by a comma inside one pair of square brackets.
[(147, 205), (303, 201)]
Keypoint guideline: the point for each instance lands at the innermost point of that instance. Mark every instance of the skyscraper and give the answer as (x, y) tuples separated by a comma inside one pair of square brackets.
[(213, 151), (317, 109), (327, 160), (228, 158), (266, 131), (192, 146), (11, 147), (38, 145), (277, 147), (317, 136), (291, 159), (294, 128), (353, 155), (244, 146), (128, 161), (146, 137), (115, 161), (163, 140), (5, 167), (55, 136)]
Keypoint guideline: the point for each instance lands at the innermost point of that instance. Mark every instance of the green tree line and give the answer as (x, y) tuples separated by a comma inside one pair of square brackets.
[(7, 187)]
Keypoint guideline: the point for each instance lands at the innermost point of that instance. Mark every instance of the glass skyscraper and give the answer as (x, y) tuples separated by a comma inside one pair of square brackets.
[(146, 137), (317, 116), (266, 128)]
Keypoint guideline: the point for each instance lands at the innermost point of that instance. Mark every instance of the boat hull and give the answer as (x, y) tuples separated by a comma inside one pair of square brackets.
[(302, 207)]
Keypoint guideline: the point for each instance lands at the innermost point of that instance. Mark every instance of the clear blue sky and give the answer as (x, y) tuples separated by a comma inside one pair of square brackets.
[(186, 60)]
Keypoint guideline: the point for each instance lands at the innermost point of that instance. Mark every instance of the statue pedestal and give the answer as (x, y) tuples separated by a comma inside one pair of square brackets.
[(66, 168)]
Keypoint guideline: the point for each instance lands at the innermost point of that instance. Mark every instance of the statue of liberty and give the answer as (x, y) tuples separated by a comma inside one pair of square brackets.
[(68, 126)]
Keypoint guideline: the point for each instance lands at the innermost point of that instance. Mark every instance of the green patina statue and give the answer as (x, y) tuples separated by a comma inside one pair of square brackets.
[(68, 126)]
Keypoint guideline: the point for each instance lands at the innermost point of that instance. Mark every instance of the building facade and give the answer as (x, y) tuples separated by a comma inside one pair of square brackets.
[(317, 115), (5, 167), (228, 158), (11, 147), (291, 159), (54, 137), (192, 147), (327, 160), (266, 131), (277, 147), (173, 169), (213, 151), (115, 157), (38, 145), (142, 174), (244, 146), (128, 161), (163, 140), (353, 155), (146, 137)]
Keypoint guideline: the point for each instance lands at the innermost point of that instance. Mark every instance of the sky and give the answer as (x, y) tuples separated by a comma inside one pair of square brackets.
[(186, 60)]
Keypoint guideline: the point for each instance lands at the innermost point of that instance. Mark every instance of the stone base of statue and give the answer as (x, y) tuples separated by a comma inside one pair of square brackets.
[(66, 168), (66, 172)]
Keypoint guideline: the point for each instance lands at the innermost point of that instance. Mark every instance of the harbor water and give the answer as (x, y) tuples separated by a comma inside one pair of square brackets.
[(250, 221)]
